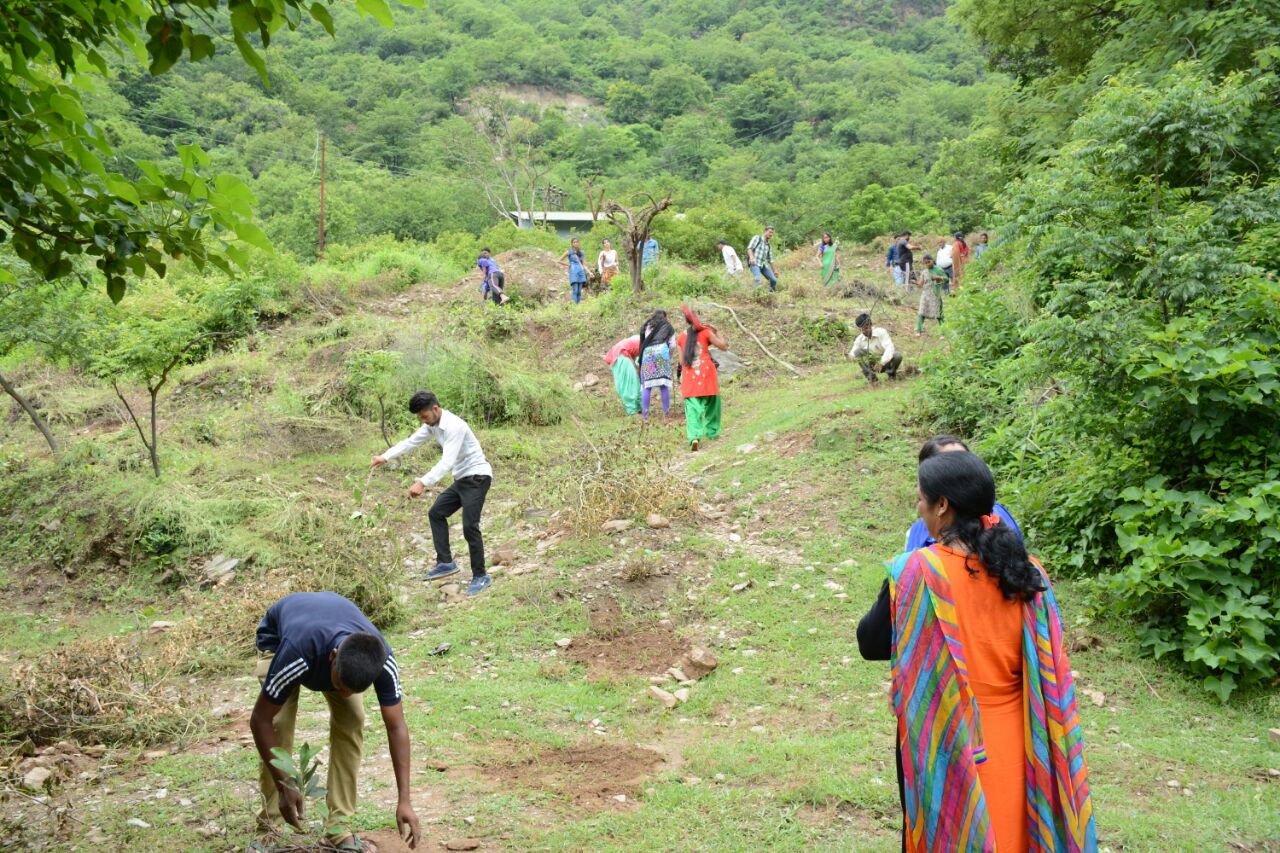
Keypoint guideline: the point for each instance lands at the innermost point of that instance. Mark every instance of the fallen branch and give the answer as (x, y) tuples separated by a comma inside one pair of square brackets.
[(759, 343)]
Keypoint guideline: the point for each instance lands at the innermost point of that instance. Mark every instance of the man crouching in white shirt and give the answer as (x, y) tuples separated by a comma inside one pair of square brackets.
[(874, 352), (472, 476)]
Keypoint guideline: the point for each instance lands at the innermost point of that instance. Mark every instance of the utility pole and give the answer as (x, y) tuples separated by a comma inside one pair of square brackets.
[(320, 249)]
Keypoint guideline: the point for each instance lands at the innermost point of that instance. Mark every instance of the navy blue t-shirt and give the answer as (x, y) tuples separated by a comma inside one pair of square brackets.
[(302, 628)]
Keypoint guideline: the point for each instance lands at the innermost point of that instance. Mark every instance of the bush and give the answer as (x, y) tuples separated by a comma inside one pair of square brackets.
[(691, 236)]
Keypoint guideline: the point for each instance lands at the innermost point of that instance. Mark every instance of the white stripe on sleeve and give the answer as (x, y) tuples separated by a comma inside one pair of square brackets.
[(287, 675)]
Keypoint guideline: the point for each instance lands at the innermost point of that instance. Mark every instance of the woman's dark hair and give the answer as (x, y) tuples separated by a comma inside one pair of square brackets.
[(966, 482), (934, 446), (827, 239), (690, 351), (656, 330)]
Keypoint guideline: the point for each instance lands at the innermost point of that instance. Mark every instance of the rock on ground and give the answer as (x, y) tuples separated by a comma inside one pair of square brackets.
[(667, 699), (698, 663)]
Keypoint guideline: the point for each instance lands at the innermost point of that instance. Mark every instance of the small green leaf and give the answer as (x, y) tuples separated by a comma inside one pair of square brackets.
[(378, 9), (321, 14)]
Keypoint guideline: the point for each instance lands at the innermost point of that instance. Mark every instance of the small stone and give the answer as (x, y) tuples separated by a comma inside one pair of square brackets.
[(738, 670), (1097, 697), (1187, 792), (745, 448), (759, 730), (665, 623), (682, 695), (161, 625), (588, 381), (1273, 772), (1173, 783), (184, 802), (564, 642), (677, 674), (505, 557), (616, 525), (668, 700), (698, 663), (622, 798), (36, 777), (740, 587), (463, 844), (1274, 734), (438, 766), (657, 521), (449, 589), (659, 679), (210, 830), (833, 586), (155, 754), (138, 822), (734, 537)]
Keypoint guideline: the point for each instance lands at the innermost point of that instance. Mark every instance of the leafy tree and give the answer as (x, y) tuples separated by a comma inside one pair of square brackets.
[(61, 199), (763, 105)]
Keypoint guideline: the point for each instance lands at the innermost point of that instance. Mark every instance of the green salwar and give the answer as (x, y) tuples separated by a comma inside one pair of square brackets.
[(627, 382), (701, 417)]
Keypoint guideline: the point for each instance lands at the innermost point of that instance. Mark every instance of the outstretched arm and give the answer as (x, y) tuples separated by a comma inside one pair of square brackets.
[(398, 741), (264, 738)]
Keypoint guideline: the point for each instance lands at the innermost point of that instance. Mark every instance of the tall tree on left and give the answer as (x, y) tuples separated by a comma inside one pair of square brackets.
[(63, 193)]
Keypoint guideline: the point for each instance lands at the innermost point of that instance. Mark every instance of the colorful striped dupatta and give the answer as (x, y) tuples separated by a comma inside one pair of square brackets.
[(940, 733)]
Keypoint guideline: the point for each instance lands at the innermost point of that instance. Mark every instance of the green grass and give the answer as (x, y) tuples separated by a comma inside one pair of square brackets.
[(794, 752)]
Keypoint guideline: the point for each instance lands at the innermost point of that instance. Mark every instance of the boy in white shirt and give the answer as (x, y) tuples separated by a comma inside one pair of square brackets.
[(472, 476), (874, 341), (731, 261)]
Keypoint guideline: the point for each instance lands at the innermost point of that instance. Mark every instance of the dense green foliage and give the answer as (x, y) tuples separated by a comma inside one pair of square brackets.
[(1125, 377), (780, 111)]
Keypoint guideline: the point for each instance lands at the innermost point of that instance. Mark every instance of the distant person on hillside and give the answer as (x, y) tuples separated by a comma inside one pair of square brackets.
[(891, 260), (648, 253), (980, 247), (460, 453), (656, 362), (699, 379), (607, 263), (944, 261), (959, 257), (990, 747), (494, 281), (732, 263), (918, 535), (904, 257), (873, 350), (931, 294), (760, 258), (321, 641), (827, 257), (621, 359), (575, 260)]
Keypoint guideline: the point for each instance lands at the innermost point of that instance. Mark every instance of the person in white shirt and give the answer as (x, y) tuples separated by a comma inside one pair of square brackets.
[(873, 350), (944, 259), (472, 476), (731, 261), (607, 262)]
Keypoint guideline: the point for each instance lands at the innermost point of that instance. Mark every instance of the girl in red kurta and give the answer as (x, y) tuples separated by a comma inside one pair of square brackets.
[(699, 381)]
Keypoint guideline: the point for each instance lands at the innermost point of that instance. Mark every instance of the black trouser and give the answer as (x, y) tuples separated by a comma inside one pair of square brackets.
[(466, 494), (869, 362), (498, 283)]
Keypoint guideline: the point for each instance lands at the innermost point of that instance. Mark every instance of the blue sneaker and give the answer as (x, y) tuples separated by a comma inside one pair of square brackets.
[(479, 585), (442, 570)]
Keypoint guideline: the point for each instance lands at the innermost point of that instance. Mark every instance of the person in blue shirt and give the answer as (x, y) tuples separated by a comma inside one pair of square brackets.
[(576, 262), (918, 535), (491, 286), (649, 253), (891, 260), (323, 642)]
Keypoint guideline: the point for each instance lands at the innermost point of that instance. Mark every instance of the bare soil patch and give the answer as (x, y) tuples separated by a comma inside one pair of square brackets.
[(615, 649), (588, 773)]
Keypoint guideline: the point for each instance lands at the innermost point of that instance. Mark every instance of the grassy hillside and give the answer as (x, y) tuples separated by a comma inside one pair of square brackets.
[(774, 550)]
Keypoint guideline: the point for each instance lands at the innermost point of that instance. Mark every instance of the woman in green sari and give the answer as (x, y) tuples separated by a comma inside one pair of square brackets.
[(827, 257)]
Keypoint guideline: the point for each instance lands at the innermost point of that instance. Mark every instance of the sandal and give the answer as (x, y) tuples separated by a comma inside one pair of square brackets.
[(351, 844)]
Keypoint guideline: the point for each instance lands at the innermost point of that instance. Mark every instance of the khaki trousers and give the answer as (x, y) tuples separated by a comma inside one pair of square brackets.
[(346, 743)]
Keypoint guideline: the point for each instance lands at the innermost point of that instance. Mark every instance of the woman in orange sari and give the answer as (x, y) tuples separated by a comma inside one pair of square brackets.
[(990, 743), (699, 381)]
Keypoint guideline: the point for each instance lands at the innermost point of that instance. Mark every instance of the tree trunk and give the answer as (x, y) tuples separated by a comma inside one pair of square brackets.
[(634, 250), (31, 413), (155, 453)]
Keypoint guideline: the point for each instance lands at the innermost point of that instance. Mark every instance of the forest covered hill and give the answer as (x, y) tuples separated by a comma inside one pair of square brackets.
[(786, 112)]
